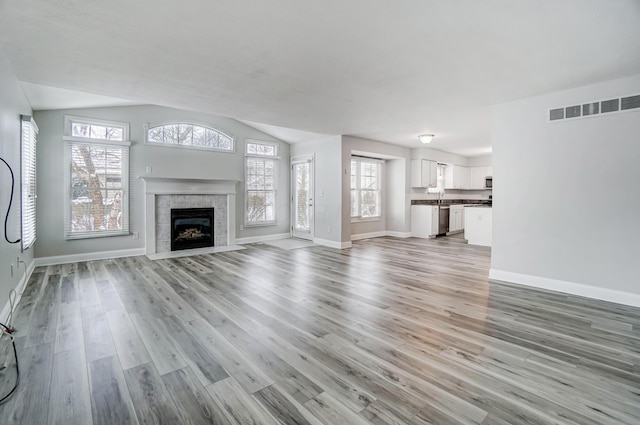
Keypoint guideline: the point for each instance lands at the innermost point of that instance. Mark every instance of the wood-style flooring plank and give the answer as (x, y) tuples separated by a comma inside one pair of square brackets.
[(70, 402), (239, 407), (151, 400), (129, 346), (195, 405), (110, 399)]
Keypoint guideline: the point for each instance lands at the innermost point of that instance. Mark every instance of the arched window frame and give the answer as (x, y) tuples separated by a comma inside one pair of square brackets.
[(151, 142)]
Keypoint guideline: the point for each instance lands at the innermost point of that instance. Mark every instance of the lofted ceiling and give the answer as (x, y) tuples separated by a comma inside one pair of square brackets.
[(380, 69)]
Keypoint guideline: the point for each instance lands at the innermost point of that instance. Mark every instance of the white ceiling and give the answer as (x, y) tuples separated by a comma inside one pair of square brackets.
[(380, 69)]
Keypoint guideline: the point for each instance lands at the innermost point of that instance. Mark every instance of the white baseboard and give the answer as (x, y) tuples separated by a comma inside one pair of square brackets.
[(399, 234), (369, 235), (382, 233), (588, 291), (4, 315), (89, 256), (254, 239), (332, 244)]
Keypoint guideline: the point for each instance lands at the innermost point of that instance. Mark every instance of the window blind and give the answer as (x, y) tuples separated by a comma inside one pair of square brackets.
[(29, 131)]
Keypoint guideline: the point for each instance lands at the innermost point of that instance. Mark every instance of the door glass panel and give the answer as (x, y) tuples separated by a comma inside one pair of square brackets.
[(301, 196)]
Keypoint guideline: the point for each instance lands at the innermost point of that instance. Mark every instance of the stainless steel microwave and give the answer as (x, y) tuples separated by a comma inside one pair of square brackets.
[(488, 182)]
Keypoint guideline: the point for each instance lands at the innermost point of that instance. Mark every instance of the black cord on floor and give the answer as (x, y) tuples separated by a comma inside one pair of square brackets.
[(15, 353), (6, 218)]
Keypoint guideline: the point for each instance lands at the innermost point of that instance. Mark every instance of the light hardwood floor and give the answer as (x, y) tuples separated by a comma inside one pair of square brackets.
[(392, 331)]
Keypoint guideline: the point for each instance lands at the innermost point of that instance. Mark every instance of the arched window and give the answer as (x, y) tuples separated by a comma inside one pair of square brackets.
[(190, 135)]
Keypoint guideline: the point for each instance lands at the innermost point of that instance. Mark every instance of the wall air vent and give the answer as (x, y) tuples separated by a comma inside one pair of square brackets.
[(595, 108)]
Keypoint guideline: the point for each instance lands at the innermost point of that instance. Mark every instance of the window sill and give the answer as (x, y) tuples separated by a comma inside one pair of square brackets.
[(95, 235), (262, 224), (365, 220)]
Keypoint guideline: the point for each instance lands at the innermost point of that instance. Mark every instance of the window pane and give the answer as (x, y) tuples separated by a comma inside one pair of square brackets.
[(200, 137), (115, 134), (80, 130), (185, 135), (355, 211), (155, 135), (98, 132), (171, 133), (224, 142), (256, 206)]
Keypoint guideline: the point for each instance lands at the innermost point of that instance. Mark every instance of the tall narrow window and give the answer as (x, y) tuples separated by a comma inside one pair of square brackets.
[(260, 183), (97, 156), (28, 187), (366, 200)]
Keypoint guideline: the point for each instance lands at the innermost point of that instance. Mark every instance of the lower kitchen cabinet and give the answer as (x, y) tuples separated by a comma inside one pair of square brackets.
[(424, 221), (456, 218)]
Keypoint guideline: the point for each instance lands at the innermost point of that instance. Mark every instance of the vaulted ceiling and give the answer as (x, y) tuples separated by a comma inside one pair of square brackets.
[(380, 69)]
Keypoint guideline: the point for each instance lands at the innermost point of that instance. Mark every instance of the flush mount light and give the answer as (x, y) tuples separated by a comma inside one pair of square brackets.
[(426, 138)]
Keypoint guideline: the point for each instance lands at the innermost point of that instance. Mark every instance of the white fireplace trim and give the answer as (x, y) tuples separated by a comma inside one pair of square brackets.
[(186, 186)]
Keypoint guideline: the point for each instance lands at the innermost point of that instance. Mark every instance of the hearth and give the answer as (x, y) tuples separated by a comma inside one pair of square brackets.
[(191, 228)]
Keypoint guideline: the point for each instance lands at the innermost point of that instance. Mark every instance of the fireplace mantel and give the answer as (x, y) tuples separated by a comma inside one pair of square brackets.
[(184, 185), (165, 185)]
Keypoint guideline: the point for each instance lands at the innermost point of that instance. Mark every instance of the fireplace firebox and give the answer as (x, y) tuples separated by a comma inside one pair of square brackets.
[(191, 228)]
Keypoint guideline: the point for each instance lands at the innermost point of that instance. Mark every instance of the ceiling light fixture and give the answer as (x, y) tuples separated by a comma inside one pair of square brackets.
[(426, 138)]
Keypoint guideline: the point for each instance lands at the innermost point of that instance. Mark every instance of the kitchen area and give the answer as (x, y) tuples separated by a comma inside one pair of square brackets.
[(450, 199)]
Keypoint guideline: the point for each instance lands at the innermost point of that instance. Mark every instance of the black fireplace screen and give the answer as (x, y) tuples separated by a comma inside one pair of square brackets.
[(191, 228)]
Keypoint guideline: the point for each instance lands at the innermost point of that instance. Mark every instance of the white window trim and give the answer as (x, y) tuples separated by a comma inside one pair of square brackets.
[(276, 158), (28, 174), (196, 148), (71, 140), (68, 119), (380, 162)]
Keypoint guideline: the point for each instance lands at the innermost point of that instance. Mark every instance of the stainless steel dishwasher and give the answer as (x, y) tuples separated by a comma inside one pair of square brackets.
[(443, 219)]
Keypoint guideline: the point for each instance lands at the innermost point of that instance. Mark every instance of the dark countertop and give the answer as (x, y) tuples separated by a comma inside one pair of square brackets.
[(449, 202)]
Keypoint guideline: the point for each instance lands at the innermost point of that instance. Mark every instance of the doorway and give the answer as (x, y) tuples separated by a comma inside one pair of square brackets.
[(302, 197)]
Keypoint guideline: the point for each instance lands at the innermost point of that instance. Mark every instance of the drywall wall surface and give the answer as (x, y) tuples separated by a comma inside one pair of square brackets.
[(164, 162), (480, 161), (439, 156), (327, 185), (566, 194), (13, 103)]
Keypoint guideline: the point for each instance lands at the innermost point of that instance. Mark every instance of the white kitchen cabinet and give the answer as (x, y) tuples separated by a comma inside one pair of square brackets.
[(478, 175), (456, 177), (424, 221), (456, 218), (424, 173)]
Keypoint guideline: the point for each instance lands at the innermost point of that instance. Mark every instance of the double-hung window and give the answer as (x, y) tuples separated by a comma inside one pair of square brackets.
[(366, 199), (260, 182), (29, 130), (97, 178)]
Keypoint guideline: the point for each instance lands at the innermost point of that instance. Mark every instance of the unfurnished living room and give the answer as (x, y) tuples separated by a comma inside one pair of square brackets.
[(282, 212)]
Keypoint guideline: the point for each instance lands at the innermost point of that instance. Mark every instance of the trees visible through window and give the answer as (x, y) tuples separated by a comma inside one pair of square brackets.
[(365, 189), (190, 135), (260, 184), (98, 180)]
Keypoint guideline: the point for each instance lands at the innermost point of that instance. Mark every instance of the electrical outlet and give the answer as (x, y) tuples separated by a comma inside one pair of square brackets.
[(241, 227), (328, 229), (135, 235), (148, 169)]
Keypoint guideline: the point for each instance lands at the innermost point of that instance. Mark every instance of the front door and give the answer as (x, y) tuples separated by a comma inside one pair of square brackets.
[(302, 197)]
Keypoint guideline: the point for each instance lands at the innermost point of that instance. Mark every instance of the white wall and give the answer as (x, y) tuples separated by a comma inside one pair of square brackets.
[(567, 197), (13, 103), (165, 162), (327, 186)]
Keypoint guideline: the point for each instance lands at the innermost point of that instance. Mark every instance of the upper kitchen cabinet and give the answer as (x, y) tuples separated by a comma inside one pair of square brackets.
[(478, 175), (456, 177), (424, 173)]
